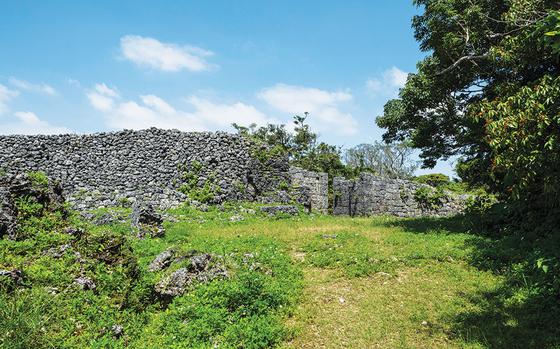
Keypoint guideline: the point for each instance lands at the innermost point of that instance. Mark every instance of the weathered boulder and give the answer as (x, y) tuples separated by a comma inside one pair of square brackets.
[(34, 188), (39, 188), (200, 262), (117, 330), (58, 251), (162, 261), (76, 232), (284, 209), (15, 275), (110, 217), (146, 221), (175, 284), (8, 214), (200, 270), (236, 218), (85, 283)]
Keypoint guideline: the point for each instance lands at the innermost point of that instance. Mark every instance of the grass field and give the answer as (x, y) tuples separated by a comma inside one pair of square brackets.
[(314, 282)]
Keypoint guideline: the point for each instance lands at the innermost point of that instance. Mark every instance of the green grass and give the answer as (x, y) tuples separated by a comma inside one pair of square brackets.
[(311, 281)]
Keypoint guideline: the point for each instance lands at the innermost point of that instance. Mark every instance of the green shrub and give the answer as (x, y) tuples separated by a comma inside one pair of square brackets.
[(433, 179), (480, 204), (38, 179), (244, 311), (442, 181), (191, 186), (522, 133), (429, 198), (284, 186)]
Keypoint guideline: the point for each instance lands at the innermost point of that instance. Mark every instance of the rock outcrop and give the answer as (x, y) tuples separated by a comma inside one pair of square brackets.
[(162, 261), (33, 189), (146, 221), (8, 214), (202, 267), (280, 209)]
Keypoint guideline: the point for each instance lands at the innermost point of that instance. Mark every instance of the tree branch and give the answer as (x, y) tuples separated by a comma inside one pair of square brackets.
[(461, 60)]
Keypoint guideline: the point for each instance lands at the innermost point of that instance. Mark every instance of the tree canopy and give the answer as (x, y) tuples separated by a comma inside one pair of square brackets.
[(385, 160), (487, 91)]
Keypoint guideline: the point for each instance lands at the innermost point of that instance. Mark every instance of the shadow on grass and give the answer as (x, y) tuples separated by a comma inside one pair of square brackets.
[(524, 312)]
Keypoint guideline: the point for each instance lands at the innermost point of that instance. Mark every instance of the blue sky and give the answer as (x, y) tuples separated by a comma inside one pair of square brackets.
[(90, 66)]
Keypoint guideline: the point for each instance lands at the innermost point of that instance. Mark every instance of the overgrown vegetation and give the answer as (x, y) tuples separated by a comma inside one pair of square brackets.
[(292, 280), (488, 92), (200, 189), (82, 286), (441, 181), (301, 147), (38, 179), (429, 198)]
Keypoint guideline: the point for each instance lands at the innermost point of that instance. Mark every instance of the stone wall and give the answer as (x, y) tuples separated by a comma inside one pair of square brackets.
[(371, 195), (110, 169), (106, 169), (318, 185)]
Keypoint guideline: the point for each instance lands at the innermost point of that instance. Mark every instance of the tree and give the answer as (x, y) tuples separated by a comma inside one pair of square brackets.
[(304, 141), (301, 147), (274, 135), (483, 55), (386, 160)]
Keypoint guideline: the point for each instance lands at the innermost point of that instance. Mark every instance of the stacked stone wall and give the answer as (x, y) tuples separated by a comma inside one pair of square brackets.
[(111, 169), (370, 195), (106, 169), (317, 184)]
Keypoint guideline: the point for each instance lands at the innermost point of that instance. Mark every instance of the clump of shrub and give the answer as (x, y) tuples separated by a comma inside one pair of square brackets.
[(194, 187), (245, 310), (480, 203), (439, 180), (433, 179), (429, 198), (38, 179)]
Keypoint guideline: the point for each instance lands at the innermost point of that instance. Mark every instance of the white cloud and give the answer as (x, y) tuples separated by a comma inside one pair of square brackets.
[(158, 104), (102, 97), (153, 111), (324, 106), (73, 82), (5, 96), (389, 84), (223, 115), (27, 123), (151, 53), (31, 87), (106, 91), (204, 114)]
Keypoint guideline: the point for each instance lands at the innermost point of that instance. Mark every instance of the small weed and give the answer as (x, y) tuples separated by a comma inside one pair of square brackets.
[(38, 179)]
